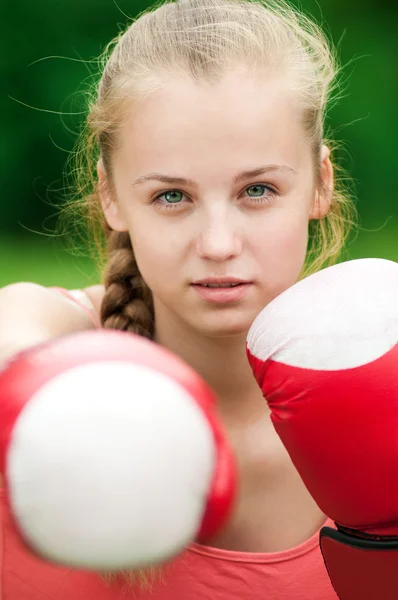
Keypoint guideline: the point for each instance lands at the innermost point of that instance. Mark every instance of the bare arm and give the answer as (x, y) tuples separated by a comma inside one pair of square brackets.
[(31, 314)]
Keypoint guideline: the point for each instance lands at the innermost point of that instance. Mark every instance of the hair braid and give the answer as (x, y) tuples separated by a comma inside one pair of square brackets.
[(127, 304)]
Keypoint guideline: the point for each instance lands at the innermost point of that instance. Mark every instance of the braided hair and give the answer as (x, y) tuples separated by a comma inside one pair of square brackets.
[(127, 304)]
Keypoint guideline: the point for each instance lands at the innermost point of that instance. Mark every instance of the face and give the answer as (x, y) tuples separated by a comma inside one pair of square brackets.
[(210, 219)]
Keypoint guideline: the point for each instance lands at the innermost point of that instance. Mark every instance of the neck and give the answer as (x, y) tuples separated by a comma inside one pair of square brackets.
[(222, 363)]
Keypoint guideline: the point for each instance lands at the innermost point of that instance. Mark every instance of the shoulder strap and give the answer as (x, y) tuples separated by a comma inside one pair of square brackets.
[(81, 298)]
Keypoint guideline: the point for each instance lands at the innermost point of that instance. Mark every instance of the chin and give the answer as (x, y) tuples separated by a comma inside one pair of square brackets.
[(220, 326)]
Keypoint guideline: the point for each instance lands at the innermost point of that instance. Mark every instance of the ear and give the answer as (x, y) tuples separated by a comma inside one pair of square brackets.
[(110, 207), (324, 192)]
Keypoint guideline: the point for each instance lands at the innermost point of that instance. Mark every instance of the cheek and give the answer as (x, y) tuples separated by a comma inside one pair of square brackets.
[(157, 254), (293, 242), (281, 249)]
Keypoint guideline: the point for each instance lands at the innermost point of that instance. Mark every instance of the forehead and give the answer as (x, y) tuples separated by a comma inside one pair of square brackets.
[(242, 115)]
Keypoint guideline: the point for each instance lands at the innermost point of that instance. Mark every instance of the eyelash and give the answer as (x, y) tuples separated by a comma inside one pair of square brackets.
[(172, 206)]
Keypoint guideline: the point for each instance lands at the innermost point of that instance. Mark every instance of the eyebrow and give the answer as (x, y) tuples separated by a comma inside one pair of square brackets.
[(240, 177)]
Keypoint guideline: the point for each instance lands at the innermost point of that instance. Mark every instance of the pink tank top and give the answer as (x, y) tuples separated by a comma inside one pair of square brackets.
[(199, 573)]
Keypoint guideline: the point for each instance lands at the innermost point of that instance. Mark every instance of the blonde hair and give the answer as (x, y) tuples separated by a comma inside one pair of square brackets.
[(201, 39)]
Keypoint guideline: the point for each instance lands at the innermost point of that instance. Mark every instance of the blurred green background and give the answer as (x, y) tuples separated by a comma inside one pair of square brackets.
[(39, 84)]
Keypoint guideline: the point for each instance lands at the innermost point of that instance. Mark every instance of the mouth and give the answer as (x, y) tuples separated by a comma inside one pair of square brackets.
[(220, 285), (220, 282), (225, 292)]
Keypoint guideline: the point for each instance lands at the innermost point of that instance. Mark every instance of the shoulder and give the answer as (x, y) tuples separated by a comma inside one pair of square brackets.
[(88, 300), (30, 299), (31, 313)]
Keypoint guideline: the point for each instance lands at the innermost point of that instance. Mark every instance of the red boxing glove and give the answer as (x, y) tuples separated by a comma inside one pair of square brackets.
[(112, 452), (325, 354)]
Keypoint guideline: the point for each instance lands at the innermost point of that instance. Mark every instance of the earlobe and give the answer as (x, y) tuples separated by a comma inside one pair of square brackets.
[(324, 192), (109, 205)]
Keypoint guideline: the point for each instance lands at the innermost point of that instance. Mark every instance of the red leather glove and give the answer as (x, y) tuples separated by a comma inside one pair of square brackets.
[(325, 354), (112, 452)]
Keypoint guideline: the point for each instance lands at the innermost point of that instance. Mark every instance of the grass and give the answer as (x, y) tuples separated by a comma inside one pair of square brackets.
[(44, 261)]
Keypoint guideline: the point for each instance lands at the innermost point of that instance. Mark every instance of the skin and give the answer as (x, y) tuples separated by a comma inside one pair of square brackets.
[(256, 230)]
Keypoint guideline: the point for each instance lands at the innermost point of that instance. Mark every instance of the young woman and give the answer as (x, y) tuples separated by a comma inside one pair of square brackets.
[(212, 171)]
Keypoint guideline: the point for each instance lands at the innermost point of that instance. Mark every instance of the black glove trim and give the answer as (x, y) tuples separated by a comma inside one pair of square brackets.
[(358, 539), (360, 566)]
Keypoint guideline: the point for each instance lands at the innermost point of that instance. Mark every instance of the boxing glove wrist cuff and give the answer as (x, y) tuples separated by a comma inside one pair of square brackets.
[(360, 566)]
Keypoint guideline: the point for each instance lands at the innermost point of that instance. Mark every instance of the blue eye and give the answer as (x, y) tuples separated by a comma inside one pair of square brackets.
[(172, 199), (261, 188)]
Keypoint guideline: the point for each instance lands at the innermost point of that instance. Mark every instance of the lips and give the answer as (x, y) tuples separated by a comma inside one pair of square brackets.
[(222, 293), (220, 282), (218, 285)]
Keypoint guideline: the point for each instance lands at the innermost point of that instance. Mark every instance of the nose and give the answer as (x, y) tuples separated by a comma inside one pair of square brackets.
[(218, 238)]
